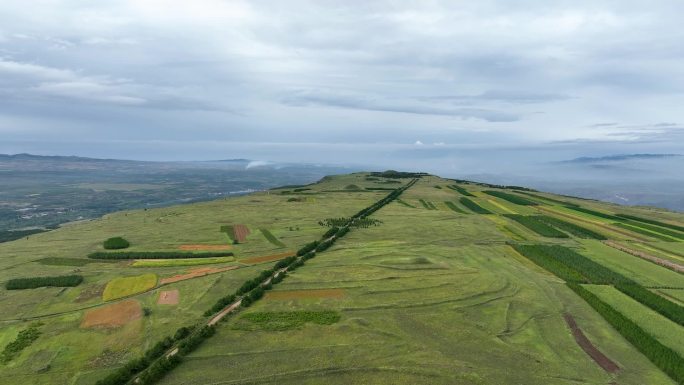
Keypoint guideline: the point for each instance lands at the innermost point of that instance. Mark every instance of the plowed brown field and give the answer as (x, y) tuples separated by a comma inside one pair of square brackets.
[(114, 315), (604, 362), (240, 232), (194, 273)]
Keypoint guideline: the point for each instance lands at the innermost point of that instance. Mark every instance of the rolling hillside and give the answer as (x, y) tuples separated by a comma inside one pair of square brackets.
[(375, 278)]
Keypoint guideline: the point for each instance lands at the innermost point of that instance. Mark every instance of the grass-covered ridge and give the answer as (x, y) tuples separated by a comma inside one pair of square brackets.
[(420, 283)]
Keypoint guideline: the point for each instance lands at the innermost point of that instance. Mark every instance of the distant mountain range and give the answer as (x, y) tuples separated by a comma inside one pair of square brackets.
[(617, 158)]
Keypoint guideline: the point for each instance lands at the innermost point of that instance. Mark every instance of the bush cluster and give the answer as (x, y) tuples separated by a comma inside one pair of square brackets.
[(115, 243), (23, 340)]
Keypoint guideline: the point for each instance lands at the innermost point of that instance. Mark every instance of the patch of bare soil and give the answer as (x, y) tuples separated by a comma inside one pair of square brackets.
[(168, 297), (194, 273), (114, 315)]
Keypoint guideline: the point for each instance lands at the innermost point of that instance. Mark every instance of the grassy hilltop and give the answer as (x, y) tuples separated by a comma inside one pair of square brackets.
[(447, 282)]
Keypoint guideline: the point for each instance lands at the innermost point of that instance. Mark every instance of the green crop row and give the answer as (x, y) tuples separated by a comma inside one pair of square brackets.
[(574, 267), (271, 238), (639, 230), (540, 227), (453, 207), (427, 204), (592, 212), (518, 200), (474, 207), (460, 190), (652, 221), (571, 228)]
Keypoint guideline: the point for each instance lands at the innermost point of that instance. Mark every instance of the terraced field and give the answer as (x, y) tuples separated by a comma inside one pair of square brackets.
[(430, 294)]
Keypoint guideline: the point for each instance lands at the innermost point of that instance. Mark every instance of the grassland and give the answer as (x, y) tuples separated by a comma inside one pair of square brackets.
[(426, 296)]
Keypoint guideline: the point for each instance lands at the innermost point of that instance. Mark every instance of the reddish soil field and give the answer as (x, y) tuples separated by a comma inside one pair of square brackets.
[(267, 258), (240, 232), (168, 297), (313, 293), (604, 362), (114, 315), (205, 247), (194, 273), (652, 258)]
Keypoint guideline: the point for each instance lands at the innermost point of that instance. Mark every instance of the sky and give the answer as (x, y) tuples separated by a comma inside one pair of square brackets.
[(446, 86)]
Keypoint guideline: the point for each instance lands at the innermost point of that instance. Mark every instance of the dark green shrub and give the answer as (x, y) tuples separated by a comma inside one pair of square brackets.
[(115, 243)]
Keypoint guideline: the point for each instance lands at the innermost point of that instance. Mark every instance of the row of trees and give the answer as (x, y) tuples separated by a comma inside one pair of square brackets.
[(151, 367), (156, 255), (126, 373), (34, 282), (540, 227), (518, 200), (663, 357)]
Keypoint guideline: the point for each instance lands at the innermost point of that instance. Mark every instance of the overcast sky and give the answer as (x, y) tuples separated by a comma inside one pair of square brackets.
[(365, 82)]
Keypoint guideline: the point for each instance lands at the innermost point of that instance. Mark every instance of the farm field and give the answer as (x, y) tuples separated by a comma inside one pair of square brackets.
[(427, 294)]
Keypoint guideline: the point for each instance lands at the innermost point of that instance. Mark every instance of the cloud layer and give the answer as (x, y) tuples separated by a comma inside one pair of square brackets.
[(120, 76)]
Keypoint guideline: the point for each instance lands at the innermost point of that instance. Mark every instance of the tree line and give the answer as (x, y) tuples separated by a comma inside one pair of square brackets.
[(35, 282)]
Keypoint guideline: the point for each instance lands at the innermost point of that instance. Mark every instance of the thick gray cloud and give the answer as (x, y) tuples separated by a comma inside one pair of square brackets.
[(332, 81)]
